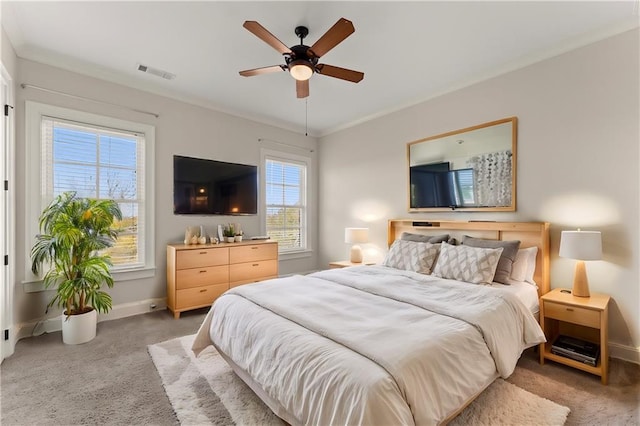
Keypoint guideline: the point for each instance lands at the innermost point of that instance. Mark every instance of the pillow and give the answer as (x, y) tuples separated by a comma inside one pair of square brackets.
[(412, 256), (419, 238), (505, 265), (525, 265), (466, 263)]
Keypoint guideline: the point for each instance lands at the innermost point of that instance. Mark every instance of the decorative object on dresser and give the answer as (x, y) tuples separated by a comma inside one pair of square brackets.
[(578, 318), (197, 275), (581, 245), (356, 236)]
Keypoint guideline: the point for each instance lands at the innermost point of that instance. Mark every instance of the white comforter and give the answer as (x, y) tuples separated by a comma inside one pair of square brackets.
[(370, 345)]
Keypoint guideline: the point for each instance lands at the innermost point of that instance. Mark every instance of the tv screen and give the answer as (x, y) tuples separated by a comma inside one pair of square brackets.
[(214, 187), (435, 185)]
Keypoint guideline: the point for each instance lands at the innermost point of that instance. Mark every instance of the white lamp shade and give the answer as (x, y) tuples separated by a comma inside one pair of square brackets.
[(356, 235), (581, 245)]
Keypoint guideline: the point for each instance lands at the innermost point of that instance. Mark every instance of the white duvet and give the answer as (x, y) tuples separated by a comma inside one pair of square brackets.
[(370, 345)]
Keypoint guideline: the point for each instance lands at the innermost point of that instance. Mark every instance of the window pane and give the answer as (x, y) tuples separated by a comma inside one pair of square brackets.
[(74, 145), (74, 177), (284, 190), (102, 164), (115, 151), (118, 184)]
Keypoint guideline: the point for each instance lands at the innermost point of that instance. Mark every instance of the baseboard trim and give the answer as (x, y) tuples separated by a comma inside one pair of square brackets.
[(624, 352), (50, 325)]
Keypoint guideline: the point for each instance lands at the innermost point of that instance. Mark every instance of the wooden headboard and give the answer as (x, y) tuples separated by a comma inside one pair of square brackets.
[(530, 234)]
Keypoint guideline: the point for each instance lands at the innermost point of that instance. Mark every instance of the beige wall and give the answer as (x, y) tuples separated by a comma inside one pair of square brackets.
[(8, 55), (181, 129), (578, 162)]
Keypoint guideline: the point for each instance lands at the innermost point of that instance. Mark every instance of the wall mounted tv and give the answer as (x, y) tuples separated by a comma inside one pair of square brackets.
[(209, 187), (435, 185)]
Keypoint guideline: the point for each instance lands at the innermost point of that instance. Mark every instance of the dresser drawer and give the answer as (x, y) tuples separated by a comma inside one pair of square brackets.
[(192, 298), (572, 314), (252, 253), (198, 277), (186, 259), (252, 271)]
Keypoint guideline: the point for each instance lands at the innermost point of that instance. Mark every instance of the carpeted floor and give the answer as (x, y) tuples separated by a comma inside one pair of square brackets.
[(112, 380)]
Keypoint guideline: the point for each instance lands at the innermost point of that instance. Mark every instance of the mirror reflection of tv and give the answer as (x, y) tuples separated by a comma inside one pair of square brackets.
[(209, 187), (435, 185)]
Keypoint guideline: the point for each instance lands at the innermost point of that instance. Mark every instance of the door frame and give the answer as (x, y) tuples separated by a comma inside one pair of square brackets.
[(7, 215)]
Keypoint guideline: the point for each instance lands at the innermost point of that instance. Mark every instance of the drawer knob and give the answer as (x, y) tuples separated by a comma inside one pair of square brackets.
[(255, 264), (203, 290), (254, 248), (203, 272), (203, 252), (570, 309)]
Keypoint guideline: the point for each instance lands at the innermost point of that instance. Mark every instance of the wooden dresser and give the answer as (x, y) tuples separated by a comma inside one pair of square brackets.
[(198, 274)]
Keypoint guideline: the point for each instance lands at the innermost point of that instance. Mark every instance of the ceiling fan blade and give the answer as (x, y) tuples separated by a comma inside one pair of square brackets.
[(341, 73), (263, 34), (340, 30), (302, 88), (263, 70)]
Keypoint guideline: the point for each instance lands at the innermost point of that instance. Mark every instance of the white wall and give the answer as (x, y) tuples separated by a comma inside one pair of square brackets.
[(181, 129), (578, 116)]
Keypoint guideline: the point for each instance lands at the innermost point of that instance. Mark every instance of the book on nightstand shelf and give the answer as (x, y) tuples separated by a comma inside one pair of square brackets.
[(576, 349)]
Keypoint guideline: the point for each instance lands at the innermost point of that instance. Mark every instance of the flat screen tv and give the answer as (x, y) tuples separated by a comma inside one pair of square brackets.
[(209, 187), (435, 185)]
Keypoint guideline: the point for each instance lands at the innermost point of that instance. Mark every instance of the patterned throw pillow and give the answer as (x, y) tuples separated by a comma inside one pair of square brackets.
[(412, 256), (508, 256), (465, 263)]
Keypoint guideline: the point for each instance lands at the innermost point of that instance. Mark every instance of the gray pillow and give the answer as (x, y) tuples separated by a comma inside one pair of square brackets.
[(419, 238), (508, 256)]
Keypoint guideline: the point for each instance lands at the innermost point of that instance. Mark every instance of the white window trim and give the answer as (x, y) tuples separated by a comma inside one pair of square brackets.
[(286, 156), (34, 111)]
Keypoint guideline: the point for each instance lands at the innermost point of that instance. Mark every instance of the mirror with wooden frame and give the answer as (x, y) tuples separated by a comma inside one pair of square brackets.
[(472, 169)]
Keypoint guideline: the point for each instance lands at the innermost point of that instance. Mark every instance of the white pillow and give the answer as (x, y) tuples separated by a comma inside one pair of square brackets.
[(524, 265), (465, 263), (412, 256)]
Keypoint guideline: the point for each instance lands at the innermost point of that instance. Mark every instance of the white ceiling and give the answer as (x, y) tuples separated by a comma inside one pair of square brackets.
[(409, 51)]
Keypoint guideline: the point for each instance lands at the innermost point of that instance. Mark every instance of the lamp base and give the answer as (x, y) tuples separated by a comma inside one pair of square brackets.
[(356, 254), (580, 282)]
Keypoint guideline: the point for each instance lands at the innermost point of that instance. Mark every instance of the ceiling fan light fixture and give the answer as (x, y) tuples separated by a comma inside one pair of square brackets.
[(300, 70)]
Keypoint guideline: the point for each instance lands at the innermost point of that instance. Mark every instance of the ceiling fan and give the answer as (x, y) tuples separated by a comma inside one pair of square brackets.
[(302, 61)]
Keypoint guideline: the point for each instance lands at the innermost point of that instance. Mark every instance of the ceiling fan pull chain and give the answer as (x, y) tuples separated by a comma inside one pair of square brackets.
[(306, 116)]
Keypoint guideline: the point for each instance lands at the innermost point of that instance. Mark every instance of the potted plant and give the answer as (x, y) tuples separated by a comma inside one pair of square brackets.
[(229, 233), (74, 232), (238, 236)]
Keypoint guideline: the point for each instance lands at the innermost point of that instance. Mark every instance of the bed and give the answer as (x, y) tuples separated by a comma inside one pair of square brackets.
[(381, 344)]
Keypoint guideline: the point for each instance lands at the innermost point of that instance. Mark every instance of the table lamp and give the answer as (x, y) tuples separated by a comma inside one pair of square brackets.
[(581, 245), (356, 236)]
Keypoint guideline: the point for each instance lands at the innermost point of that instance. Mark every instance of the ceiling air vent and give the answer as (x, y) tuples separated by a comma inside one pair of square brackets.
[(157, 72)]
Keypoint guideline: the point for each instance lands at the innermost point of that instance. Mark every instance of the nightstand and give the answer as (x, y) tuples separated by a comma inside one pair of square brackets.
[(345, 263), (583, 318)]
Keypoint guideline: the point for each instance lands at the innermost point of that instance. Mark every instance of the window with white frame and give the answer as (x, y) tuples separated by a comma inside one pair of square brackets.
[(285, 192), (103, 158)]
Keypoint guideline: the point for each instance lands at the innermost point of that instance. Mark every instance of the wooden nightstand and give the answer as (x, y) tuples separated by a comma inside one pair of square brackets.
[(345, 263), (584, 318)]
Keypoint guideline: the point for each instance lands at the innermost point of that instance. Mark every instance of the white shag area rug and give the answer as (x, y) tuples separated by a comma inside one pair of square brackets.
[(206, 391)]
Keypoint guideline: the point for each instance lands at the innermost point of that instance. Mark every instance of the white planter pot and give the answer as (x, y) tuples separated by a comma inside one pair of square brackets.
[(78, 329)]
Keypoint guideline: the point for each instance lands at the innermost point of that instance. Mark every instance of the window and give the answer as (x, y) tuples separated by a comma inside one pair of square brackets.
[(285, 189), (98, 157)]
